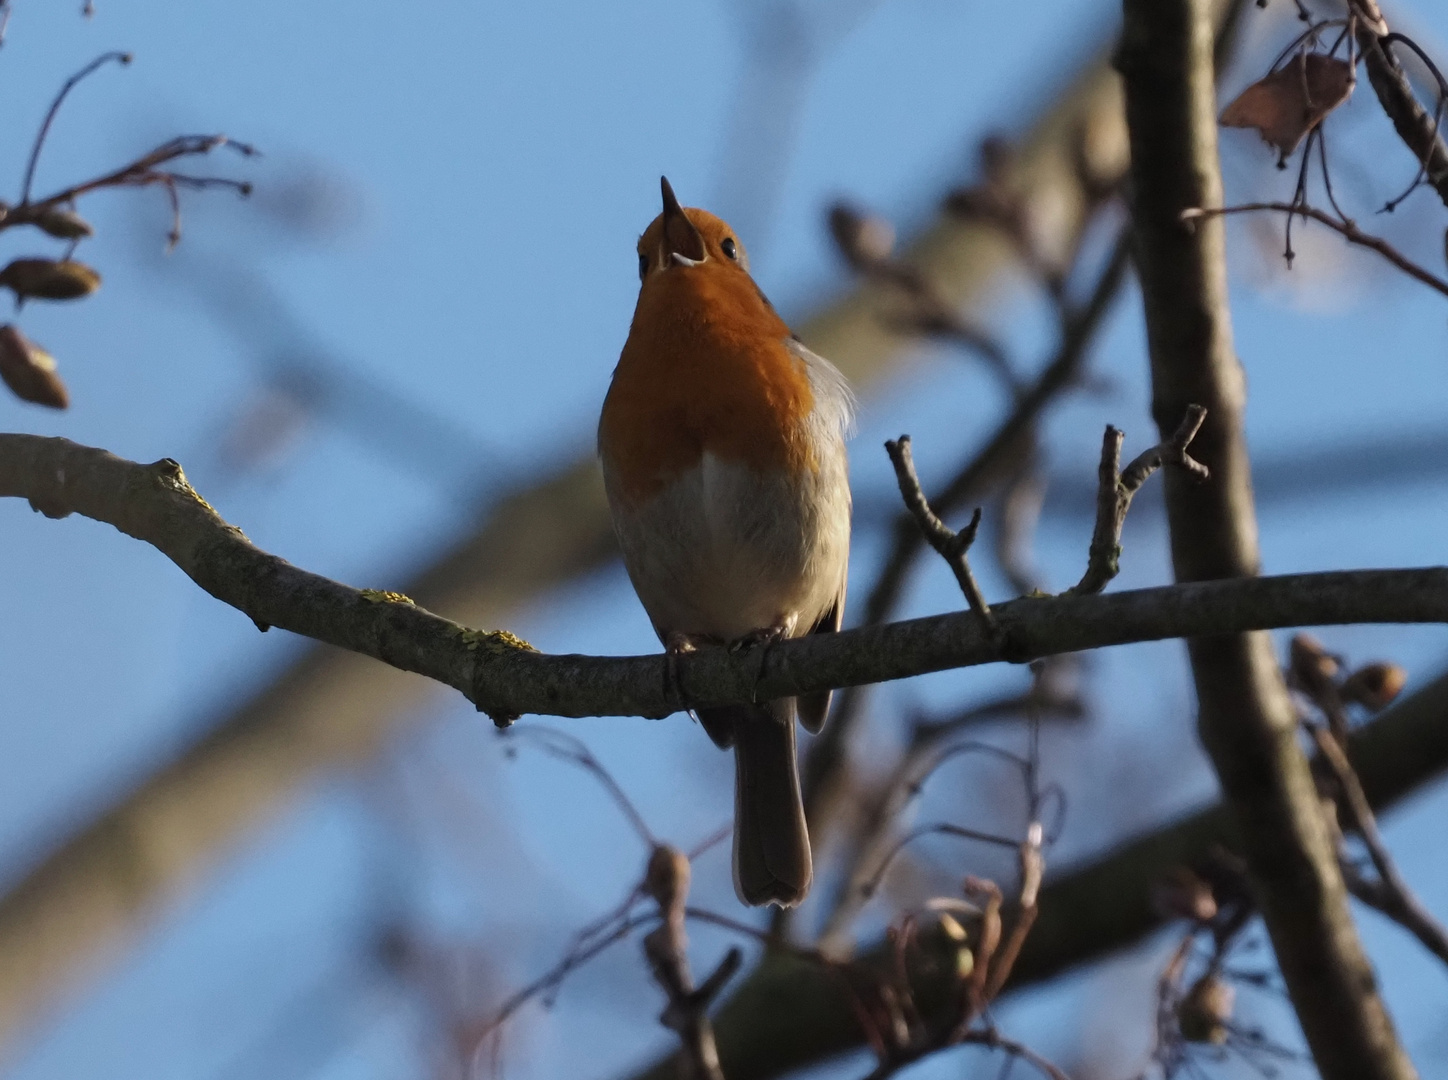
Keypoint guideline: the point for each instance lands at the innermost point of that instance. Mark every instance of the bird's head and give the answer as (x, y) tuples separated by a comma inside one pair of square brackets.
[(681, 240)]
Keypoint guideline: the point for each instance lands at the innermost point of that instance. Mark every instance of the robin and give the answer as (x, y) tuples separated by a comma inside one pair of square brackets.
[(723, 448)]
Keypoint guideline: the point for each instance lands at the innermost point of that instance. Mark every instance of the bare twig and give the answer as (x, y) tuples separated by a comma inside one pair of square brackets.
[(1345, 227), (549, 982), (939, 828), (953, 547), (828, 755), (667, 950), (122, 58), (1391, 893), (1318, 675), (873, 844), (567, 747), (989, 1038), (145, 171), (1118, 487)]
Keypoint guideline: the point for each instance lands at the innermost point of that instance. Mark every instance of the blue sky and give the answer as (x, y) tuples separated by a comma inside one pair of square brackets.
[(484, 171)]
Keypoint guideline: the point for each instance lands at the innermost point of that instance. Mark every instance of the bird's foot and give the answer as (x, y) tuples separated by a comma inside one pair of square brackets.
[(765, 635), (679, 644), (760, 640)]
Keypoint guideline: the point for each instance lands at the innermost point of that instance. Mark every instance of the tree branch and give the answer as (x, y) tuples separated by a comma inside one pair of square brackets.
[(1246, 719), (507, 678), (1415, 126)]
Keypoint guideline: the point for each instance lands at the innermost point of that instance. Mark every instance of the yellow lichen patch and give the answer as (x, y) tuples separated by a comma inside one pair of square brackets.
[(189, 490), (494, 640), (173, 476), (381, 596)]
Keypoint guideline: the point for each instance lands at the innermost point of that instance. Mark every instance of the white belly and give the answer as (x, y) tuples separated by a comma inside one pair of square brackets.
[(725, 550)]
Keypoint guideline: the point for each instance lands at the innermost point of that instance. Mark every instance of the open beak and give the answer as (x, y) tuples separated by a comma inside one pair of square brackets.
[(682, 242)]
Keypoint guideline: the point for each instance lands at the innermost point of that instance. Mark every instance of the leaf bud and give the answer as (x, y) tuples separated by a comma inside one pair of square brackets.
[(29, 370), (63, 224), (49, 279)]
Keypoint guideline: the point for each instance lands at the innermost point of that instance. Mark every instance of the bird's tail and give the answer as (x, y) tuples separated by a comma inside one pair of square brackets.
[(771, 842)]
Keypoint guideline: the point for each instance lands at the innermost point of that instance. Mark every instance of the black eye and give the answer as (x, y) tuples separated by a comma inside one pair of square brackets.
[(727, 246), (643, 266)]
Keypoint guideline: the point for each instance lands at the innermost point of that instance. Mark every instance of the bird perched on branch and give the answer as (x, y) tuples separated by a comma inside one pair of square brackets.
[(723, 448)]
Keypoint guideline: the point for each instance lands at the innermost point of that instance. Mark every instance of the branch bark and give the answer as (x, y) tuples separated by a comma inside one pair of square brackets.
[(1246, 719), (506, 677)]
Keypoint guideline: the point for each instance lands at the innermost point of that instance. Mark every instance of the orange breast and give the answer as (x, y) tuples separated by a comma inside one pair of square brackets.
[(705, 368)]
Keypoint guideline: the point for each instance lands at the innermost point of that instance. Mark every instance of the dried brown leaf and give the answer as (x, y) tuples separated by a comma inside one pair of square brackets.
[(1293, 100)]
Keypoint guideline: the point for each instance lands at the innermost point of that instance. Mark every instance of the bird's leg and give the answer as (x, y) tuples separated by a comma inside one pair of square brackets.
[(677, 644), (760, 639)]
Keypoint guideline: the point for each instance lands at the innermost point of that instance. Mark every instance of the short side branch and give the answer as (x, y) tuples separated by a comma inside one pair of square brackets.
[(1118, 488), (952, 546), (1345, 227)]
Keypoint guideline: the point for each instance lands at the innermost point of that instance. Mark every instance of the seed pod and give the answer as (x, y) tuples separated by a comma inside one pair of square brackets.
[(1374, 686), (29, 370), (955, 934), (1312, 666), (1181, 894), (63, 224), (1203, 1014), (49, 279)]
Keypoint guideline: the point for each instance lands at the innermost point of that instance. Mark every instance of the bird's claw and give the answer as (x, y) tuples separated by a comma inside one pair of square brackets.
[(765, 635), (678, 644)]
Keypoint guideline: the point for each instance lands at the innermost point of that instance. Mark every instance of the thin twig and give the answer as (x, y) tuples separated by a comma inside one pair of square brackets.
[(868, 850), (939, 828), (989, 1038), (144, 171), (122, 58), (828, 757), (1117, 487), (566, 747), (667, 950), (953, 547), (560, 971), (1393, 896), (1345, 228)]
